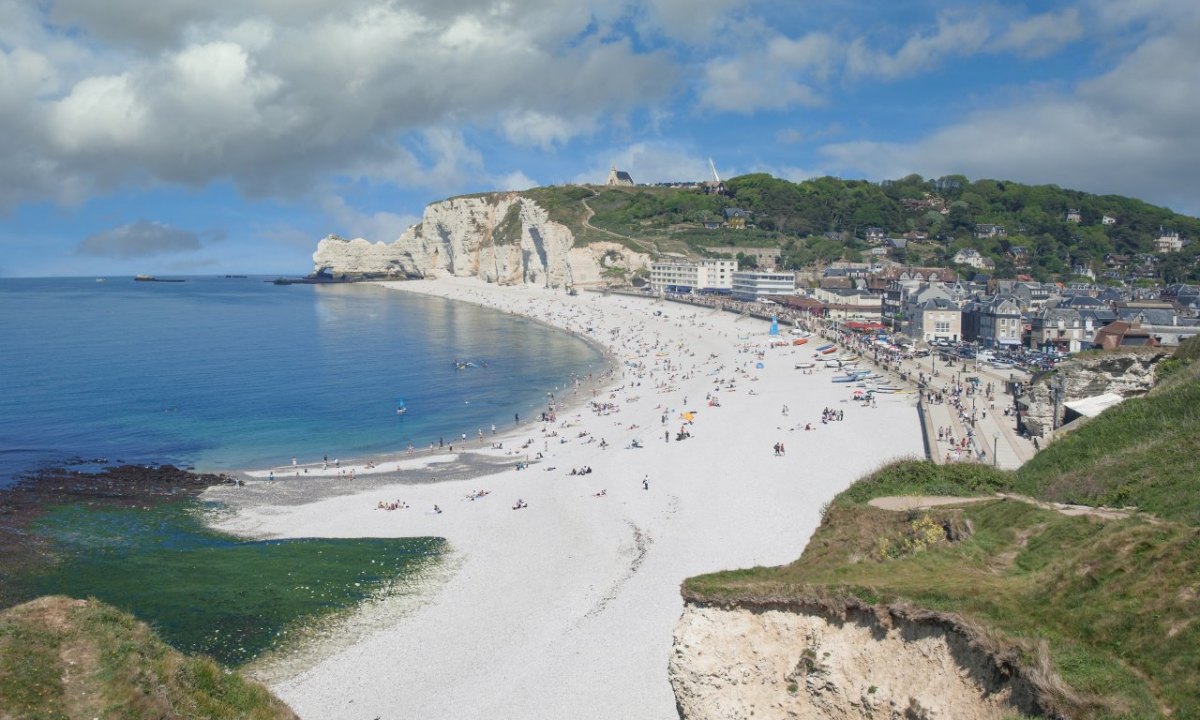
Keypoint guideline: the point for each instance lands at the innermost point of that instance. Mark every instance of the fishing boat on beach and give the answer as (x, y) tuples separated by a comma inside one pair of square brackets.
[(805, 365)]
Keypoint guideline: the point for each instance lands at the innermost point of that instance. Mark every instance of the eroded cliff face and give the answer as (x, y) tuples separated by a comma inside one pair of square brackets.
[(501, 238), (764, 662), (1128, 373)]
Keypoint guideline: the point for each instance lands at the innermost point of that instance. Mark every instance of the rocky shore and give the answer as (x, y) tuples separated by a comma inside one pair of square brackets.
[(21, 550)]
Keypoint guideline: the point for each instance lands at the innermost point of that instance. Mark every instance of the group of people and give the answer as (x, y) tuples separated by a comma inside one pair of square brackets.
[(585, 470), (398, 505), (829, 415)]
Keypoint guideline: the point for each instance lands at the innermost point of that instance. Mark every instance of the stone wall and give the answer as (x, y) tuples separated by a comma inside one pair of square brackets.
[(1128, 373)]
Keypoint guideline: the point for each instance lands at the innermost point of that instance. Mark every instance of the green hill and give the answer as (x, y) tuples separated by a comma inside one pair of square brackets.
[(1109, 604), (64, 658), (796, 217)]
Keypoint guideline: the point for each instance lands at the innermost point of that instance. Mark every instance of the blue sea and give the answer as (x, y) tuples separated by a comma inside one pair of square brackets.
[(228, 373)]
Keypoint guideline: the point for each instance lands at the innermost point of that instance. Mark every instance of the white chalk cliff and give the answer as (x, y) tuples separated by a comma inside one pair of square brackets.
[(502, 238), (764, 663)]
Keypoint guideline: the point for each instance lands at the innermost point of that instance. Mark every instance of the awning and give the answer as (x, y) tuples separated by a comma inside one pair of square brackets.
[(1093, 406)]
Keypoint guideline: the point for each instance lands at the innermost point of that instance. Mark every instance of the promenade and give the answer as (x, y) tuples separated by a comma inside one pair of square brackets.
[(951, 401)]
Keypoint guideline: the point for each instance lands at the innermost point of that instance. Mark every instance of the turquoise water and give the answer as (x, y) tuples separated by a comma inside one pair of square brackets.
[(204, 592), (225, 373)]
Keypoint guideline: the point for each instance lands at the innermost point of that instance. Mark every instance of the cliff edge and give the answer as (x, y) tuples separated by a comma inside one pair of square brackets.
[(839, 661), (503, 238)]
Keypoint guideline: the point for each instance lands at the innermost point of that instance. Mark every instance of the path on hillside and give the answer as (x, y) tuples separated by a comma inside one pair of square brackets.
[(904, 503), (587, 223)]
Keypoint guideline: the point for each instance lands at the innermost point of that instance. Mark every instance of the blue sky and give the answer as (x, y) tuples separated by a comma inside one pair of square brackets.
[(212, 136)]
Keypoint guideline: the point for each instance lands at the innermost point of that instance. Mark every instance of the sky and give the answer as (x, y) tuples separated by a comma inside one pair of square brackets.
[(230, 136)]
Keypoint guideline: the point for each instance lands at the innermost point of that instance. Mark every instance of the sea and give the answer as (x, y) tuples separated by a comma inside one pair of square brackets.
[(228, 373)]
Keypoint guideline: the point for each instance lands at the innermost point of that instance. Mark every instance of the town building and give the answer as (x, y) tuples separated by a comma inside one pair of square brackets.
[(735, 218), (1064, 329), (987, 230), (1168, 241), (749, 285), (933, 320), (680, 275), (1073, 216), (1000, 324), (973, 258)]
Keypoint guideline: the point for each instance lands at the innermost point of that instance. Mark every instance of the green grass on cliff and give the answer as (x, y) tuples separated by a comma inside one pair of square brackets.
[(1140, 453), (1115, 603), (64, 658)]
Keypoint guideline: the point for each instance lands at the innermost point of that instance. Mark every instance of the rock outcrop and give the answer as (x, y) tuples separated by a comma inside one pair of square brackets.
[(502, 238), (766, 661), (1128, 373)]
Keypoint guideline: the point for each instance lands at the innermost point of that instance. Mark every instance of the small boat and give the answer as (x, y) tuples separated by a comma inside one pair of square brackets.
[(151, 278), (799, 341), (282, 281), (401, 408), (805, 365), (830, 350), (823, 348)]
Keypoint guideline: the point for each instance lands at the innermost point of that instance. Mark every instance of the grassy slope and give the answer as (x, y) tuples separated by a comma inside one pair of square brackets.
[(63, 658), (1117, 602)]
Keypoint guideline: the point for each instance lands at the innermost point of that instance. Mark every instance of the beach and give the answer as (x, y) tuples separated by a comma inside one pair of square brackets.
[(566, 607)]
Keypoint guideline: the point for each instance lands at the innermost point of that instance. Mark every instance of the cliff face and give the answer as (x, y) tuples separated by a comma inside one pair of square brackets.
[(502, 238), (739, 662), (1124, 373)]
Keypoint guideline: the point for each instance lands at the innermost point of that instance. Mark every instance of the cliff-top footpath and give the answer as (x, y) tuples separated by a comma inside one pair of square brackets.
[(565, 608)]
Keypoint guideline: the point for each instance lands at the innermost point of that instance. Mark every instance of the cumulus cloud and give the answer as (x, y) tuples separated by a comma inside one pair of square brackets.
[(1133, 131), (515, 181), (140, 239), (919, 52), (1041, 35), (274, 95), (784, 72), (373, 226)]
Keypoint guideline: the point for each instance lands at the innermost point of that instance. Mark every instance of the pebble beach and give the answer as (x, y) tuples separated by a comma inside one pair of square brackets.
[(562, 589)]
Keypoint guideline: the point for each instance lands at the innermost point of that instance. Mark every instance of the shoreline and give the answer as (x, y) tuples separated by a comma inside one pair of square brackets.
[(582, 584)]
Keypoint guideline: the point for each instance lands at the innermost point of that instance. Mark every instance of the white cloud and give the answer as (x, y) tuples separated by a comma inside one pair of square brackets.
[(274, 95), (533, 128), (376, 226), (1132, 131), (780, 74), (515, 180), (919, 52), (695, 21), (1040, 35), (139, 240)]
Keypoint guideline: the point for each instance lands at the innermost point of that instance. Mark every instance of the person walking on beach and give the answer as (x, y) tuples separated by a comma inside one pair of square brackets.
[(645, 482)]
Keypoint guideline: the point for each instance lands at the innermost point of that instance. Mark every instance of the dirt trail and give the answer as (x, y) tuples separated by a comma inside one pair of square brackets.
[(904, 503)]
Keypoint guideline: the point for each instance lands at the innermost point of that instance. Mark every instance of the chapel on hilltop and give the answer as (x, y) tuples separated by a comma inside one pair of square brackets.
[(619, 177)]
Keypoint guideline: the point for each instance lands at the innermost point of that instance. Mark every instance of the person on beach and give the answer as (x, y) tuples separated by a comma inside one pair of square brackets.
[(646, 482)]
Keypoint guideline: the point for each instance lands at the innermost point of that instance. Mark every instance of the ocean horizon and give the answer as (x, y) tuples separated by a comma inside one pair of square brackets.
[(221, 373)]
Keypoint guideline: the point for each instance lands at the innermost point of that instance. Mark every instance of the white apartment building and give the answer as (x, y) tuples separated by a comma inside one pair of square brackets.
[(754, 285), (684, 276)]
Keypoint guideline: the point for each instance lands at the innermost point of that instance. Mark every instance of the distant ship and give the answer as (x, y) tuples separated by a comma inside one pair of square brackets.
[(151, 278)]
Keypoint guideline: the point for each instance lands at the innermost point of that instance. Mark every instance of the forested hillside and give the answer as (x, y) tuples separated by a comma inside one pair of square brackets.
[(827, 219)]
